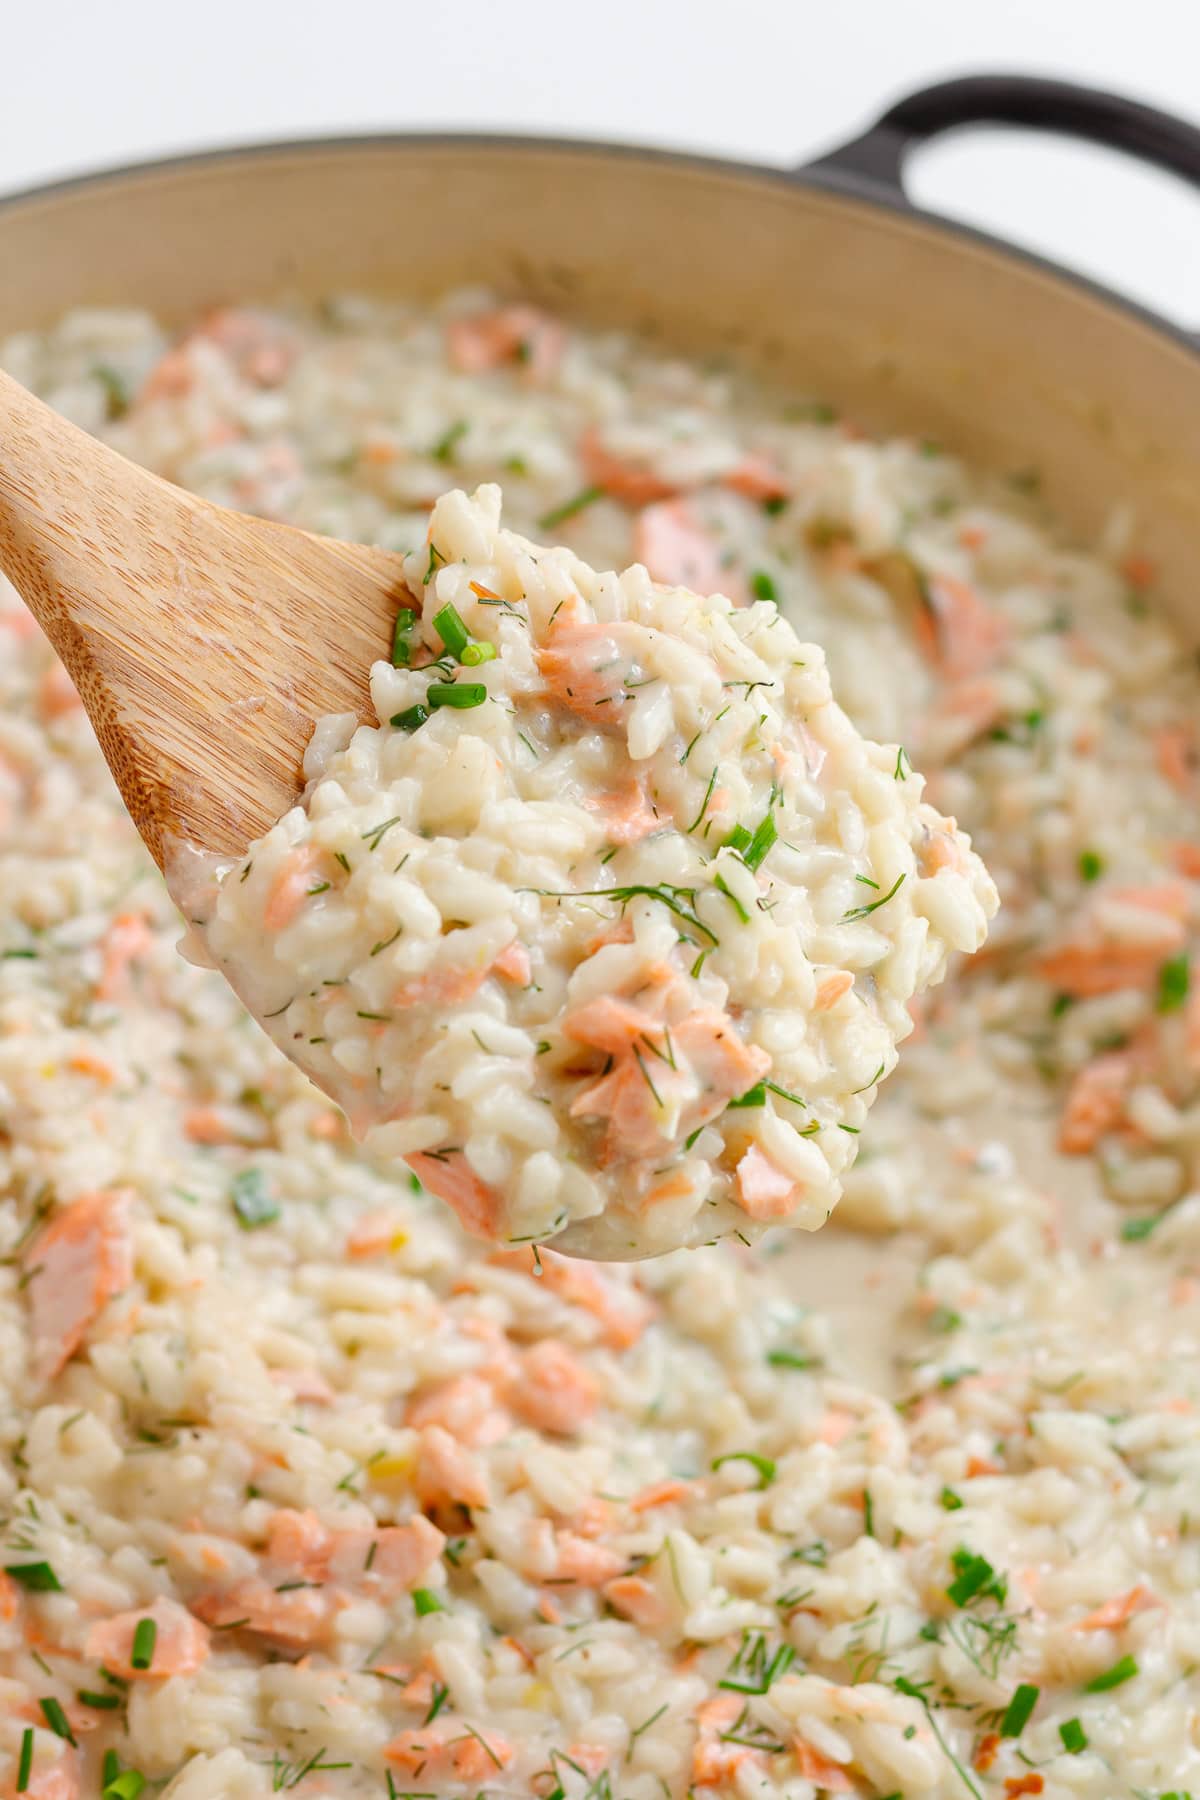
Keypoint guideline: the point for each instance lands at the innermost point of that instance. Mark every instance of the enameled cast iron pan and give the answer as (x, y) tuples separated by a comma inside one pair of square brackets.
[(827, 275)]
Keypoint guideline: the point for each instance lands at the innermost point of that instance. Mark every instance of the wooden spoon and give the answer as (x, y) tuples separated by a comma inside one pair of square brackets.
[(204, 644)]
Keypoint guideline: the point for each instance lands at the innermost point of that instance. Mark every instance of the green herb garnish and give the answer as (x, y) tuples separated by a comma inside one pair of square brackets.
[(666, 893), (443, 450), (763, 1465), (569, 508), (1174, 979), (145, 1637), (753, 1669), (950, 1501), (36, 1577), (861, 912), (448, 623), (116, 389), (1019, 1710), (411, 719), (1074, 1737), (478, 652), (25, 1765), (99, 1702), (253, 1201), (441, 1693), (722, 888), (426, 1602), (126, 1785), (762, 587), (375, 836), (459, 694), (765, 836), (975, 1578), (1091, 865), (402, 630), (1121, 1672), (712, 782), (56, 1718)]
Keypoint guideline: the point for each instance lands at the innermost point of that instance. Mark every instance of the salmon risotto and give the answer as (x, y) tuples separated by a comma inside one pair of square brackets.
[(303, 1489), (521, 931)]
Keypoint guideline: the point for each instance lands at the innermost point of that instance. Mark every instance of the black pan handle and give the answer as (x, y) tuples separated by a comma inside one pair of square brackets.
[(878, 156)]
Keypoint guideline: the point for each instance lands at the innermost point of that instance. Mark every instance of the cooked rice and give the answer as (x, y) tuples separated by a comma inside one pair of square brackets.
[(990, 1353), (617, 955)]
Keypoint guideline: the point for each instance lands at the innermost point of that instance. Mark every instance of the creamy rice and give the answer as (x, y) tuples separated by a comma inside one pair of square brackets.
[(896, 1476), (616, 953)]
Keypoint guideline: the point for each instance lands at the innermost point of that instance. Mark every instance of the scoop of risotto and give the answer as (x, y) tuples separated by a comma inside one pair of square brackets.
[(609, 928)]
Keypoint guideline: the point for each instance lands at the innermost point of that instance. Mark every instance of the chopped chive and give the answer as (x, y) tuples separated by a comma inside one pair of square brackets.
[(1134, 1230), (712, 782), (665, 892), (645, 1725), (461, 694), (765, 836), (569, 508), (56, 1718), (25, 1766), (144, 1638), (435, 557), (426, 1602), (322, 887), (110, 1768), (116, 389), (951, 1502), (1121, 1672), (755, 1096), (99, 1702), (406, 618), (253, 1202), (448, 623), (792, 1359), (441, 1693), (739, 909), (1174, 979), (126, 1786), (974, 1578), (1074, 1737), (375, 836), (36, 1577), (443, 450), (900, 773), (411, 719), (476, 653), (739, 839), (773, 504), (762, 587), (861, 912), (1019, 1710), (1091, 865), (763, 1464)]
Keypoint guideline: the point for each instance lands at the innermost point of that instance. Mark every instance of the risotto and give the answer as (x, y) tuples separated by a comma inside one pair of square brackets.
[(304, 1490), (521, 932)]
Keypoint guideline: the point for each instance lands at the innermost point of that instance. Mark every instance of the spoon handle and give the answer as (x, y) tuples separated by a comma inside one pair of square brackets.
[(203, 643)]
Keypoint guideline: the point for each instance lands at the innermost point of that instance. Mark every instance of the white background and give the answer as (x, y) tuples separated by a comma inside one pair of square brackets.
[(93, 82)]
